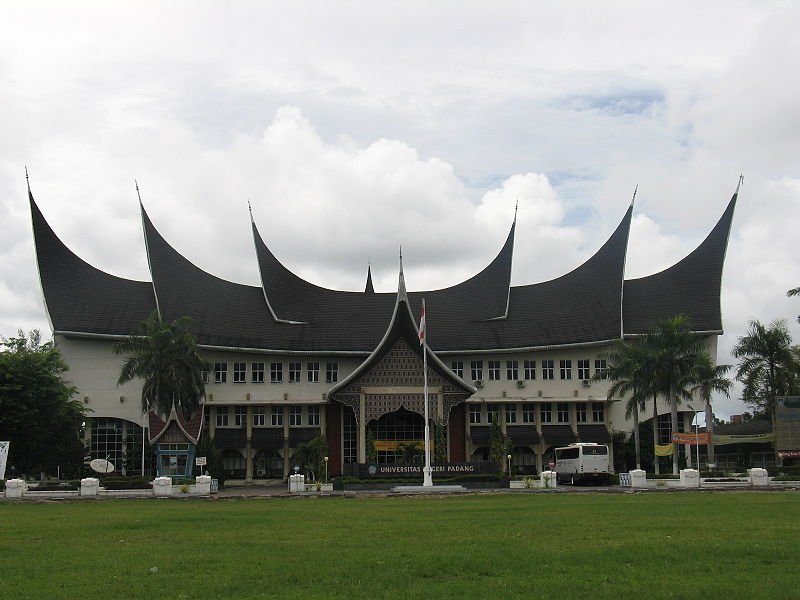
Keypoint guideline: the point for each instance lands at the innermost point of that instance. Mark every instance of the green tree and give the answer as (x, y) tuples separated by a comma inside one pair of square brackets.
[(440, 452), (410, 453), (676, 353), (371, 452), (311, 455), (165, 356), (711, 379), (214, 465), (37, 412), (768, 365), (794, 292), (499, 446), (630, 367)]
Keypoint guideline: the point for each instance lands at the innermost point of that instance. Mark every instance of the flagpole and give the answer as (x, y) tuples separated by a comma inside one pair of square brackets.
[(427, 480)]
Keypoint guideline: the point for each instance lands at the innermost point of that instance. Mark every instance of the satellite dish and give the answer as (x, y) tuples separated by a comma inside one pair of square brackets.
[(101, 465)]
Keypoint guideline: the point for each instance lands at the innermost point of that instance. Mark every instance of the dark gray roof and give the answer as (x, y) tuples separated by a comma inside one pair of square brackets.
[(289, 314), (690, 288), (523, 435), (747, 428), (81, 298), (594, 433), (558, 435)]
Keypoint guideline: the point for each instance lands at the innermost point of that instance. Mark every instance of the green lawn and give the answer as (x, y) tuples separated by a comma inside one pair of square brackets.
[(656, 545)]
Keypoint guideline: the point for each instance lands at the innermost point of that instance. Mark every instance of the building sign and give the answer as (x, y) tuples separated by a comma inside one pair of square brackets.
[(787, 422), (406, 470), (200, 461), (391, 445), (690, 439)]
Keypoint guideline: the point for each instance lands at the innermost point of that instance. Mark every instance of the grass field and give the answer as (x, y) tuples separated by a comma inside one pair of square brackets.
[(656, 545)]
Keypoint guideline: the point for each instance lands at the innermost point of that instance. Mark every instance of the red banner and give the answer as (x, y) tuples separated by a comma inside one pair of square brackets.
[(691, 439)]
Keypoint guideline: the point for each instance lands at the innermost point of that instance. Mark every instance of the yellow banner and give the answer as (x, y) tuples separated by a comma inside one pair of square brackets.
[(665, 450), (755, 438), (391, 445)]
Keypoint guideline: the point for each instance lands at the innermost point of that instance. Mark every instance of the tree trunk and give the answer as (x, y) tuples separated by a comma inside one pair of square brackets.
[(673, 409), (636, 435), (655, 433)]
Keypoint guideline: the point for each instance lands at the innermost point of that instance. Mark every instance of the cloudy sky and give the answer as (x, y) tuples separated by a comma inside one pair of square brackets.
[(355, 127)]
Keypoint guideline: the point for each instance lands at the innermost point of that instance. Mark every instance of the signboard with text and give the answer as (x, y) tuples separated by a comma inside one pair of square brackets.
[(690, 439), (413, 470)]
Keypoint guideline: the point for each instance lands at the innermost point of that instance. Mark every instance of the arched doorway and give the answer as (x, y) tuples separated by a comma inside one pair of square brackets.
[(267, 464), (233, 464), (394, 429), (523, 461)]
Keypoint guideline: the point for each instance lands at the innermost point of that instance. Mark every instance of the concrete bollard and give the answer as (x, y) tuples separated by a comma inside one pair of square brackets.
[(90, 486), (162, 486), (758, 477), (549, 479), (297, 483), (638, 478), (690, 478), (15, 488), (202, 485)]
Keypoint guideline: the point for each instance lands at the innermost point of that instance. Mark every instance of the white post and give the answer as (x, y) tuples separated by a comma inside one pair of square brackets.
[(427, 480)]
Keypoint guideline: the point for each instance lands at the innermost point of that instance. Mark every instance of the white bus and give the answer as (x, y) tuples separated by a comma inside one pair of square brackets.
[(579, 463)]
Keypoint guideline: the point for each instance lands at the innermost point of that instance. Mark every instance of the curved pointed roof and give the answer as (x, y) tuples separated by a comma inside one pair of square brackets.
[(295, 300), (692, 287), (79, 297), (368, 289), (288, 314)]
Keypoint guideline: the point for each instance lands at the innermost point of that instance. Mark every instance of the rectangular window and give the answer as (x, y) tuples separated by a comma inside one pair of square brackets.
[(600, 368), (474, 414), (548, 371), (240, 416), (511, 413), (583, 369), (458, 367), (294, 372), (562, 412), (220, 372), (476, 370), (259, 416), (331, 372), (257, 370), (276, 372), (546, 412), (204, 377), (512, 370), (493, 412), (494, 370), (312, 369), (528, 414), (598, 412), (277, 416), (565, 368), (222, 416), (313, 415), (580, 412), (239, 372), (295, 415), (530, 369)]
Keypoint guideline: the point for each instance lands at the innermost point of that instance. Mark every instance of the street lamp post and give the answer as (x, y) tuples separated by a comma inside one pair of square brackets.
[(696, 420), (509, 465), (326, 469)]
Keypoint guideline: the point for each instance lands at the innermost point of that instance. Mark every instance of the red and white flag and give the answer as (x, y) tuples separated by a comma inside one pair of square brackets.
[(422, 325)]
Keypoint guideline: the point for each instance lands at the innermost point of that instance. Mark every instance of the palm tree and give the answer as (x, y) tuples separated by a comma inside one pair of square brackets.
[(166, 357), (794, 292), (676, 354), (629, 367), (711, 379), (768, 366)]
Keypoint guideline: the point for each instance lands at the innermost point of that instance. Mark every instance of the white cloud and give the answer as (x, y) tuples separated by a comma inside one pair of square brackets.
[(347, 146)]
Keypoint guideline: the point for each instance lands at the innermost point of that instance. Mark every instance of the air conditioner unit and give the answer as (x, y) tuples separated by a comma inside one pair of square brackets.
[(261, 472), (520, 384), (479, 383), (586, 383)]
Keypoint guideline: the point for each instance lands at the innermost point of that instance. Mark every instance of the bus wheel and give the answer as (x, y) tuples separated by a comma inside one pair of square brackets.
[(572, 480)]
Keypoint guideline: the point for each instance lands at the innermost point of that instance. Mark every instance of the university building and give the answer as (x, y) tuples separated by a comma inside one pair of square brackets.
[(292, 360)]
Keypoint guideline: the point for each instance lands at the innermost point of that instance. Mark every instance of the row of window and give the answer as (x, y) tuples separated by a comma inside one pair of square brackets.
[(547, 367), (476, 415), (236, 416), (258, 370)]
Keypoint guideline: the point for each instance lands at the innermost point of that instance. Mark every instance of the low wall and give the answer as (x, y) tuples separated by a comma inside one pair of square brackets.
[(90, 488)]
